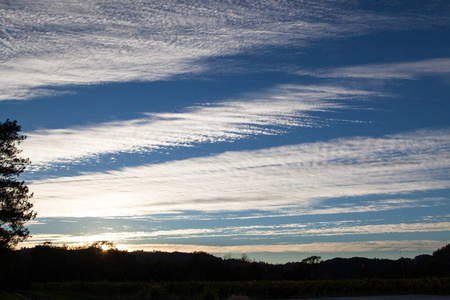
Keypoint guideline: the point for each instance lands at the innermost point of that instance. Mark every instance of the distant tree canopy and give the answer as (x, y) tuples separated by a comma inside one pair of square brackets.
[(94, 262), (15, 208), (312, 260)]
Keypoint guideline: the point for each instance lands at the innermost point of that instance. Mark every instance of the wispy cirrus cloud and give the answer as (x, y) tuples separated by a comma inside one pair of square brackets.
[(401, 70), (320, 247), (268, 113), (293, 177), (361, 207), (334, 229), (47, 44), (259, 232), (353, 247)]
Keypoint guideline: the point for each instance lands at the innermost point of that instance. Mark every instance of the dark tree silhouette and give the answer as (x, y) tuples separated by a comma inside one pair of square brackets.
[(312, 260), (15, 208)]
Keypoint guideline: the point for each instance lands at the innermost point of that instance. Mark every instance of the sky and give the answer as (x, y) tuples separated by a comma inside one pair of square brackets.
[(274, 129)]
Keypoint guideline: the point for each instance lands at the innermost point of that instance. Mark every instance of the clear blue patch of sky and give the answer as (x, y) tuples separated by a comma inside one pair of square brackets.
[(384, 47)]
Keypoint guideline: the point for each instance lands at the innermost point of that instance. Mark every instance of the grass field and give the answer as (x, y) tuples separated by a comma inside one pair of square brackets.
[(7, 296), (237, 290)]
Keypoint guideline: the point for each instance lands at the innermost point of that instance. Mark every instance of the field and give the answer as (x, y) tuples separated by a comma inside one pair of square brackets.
[(240, 290)]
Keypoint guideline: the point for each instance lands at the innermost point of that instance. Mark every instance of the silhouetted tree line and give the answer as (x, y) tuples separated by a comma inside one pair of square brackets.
[(49, 263)]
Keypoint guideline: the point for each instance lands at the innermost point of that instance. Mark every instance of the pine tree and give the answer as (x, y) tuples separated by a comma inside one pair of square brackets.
[(15, 207)]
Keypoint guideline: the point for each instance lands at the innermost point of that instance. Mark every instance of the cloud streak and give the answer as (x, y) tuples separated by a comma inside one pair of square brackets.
[(321, 247), (289, 177), (47, 44), (354, 247), (269, 113), (261, 232), (403, 70)]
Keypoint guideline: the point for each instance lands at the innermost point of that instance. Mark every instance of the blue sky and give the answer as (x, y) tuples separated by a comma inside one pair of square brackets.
[(278, 129)]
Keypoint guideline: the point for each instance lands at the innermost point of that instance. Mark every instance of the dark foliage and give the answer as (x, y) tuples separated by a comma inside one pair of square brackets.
[(48, 263), (228, 290), (15, 208)]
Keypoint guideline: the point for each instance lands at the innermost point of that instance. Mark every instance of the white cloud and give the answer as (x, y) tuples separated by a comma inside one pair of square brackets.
[(337, 228), (52, 43), (427, 245), (265, 114), (324, 208), (362, 206), (316, 229), (290, 177), (404, 70), (324, 247)]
